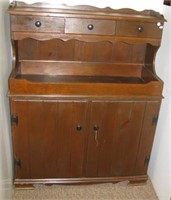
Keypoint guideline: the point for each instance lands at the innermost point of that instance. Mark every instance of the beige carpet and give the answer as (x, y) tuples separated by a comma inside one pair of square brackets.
[(108, 191)]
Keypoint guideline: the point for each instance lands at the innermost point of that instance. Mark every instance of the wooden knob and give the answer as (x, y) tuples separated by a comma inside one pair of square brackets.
[(38, 24), (96, 127), (79, 127), (140, 28), (90, 27)]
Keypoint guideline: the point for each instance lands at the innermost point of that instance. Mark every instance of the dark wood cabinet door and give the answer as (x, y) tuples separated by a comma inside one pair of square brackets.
[(147, 137), (49, 139), (112, 149)]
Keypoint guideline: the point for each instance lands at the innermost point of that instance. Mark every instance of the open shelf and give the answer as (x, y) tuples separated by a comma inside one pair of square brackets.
[(81, 79), (78, 78), (87, 72)]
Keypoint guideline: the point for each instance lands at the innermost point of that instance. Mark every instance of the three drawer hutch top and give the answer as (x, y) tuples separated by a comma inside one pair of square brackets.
[(73, 49), (71, 21)]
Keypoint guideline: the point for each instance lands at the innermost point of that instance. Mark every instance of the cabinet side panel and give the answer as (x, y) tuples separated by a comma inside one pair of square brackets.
[(21, 139), (147, 136)]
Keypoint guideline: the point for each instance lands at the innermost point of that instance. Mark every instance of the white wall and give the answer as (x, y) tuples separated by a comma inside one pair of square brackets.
[(160, 163), (5, 136)]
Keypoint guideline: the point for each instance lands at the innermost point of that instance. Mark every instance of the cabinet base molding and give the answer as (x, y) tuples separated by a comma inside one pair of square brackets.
[(131, 179)]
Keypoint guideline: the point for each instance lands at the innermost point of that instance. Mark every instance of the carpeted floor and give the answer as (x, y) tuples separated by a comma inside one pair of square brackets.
[(108, 191)]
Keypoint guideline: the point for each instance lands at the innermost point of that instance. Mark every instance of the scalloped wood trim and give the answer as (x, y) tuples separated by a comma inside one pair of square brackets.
[(84, 38), (87, 8)]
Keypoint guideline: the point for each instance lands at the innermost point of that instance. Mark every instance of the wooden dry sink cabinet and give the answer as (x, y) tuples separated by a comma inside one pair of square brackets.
[(83, 91)]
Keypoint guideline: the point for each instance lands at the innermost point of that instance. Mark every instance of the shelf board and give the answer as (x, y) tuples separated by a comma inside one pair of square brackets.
[(81, 79)]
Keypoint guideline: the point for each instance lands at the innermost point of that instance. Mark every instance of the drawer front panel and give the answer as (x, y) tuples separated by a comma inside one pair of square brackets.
[(89, 26), (139, 29), (37, 24)]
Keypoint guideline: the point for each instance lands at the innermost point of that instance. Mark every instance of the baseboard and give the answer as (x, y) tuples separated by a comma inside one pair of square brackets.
[(6, 188)]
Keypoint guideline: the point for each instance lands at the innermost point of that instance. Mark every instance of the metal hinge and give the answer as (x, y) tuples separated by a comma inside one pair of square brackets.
[(14, 120), (146, 160), (17, 163), (154, 120)]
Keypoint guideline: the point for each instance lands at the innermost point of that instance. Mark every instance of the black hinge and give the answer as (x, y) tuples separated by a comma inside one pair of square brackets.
[(146, 160), (154, 120), (17, 163), (14, 120)]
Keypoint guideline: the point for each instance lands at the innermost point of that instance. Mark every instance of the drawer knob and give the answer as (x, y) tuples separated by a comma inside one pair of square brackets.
[(79, 127), (90, 27), (140, 29), (38, 24)]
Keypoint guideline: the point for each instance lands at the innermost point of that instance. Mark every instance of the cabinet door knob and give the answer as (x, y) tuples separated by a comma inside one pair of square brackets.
[(38, 24), (79, 127), (96, 128), (90, 27), (140, 29)]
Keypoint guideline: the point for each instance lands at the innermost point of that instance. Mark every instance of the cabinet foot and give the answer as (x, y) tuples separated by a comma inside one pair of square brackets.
[(121, 183), (24, 187), (137, 182)]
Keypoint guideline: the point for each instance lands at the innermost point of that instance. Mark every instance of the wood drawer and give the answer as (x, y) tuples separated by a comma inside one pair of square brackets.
[(37, 24), (90, 26), (139, 29)]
